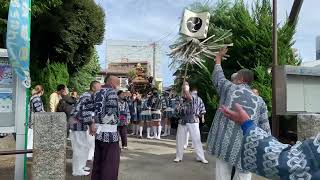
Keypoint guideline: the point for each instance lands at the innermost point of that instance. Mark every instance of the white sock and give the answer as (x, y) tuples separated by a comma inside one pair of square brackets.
[(159, 131), (140, 130), (169, 130), (166, 129), (138, 127), (154, 131), (133, 129), (148, 132)]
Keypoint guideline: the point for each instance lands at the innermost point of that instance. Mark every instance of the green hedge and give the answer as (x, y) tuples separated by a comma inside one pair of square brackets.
[(50, 77)]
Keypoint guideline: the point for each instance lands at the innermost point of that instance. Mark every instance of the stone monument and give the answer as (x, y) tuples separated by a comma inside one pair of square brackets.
[(308, 125), (298, 94), (49, 146)]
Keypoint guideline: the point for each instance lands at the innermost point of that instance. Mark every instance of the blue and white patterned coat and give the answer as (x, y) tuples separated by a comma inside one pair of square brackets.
[(155, 102), (166, 102), (266, 156), (225, 137), (191, 111), (106, 103), (124, 112), (83, 113), (35, 105)]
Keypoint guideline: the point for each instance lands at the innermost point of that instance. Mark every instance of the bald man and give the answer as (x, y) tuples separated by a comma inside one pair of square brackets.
[(234, 77), (107, 150), (256, 92)]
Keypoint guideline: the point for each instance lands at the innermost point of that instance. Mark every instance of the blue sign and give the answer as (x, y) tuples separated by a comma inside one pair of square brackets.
[(18, 39)]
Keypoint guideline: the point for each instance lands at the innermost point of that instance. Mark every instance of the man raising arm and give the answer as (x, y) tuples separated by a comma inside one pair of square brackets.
[(225, 137)]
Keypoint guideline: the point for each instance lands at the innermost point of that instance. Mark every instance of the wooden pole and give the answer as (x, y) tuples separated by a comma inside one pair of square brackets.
[(275, 119)]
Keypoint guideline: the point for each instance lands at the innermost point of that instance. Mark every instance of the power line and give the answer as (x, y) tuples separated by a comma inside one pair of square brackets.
[(162, 38), (170, 41)]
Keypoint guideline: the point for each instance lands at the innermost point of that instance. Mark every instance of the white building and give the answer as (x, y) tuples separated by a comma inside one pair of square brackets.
[(315, 63)]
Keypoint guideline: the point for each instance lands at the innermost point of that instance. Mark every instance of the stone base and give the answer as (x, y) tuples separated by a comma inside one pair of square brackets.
[(308, 125), (49, 146)]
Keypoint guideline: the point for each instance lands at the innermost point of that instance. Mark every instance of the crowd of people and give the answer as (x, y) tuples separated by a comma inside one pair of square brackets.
[(240, 136), (100, 117)]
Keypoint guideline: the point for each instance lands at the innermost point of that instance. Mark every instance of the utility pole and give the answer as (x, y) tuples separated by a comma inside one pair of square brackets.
[(154, 62), (275, 119)]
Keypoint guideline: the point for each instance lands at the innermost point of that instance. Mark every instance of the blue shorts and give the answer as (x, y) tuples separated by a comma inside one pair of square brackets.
[(145, 116)]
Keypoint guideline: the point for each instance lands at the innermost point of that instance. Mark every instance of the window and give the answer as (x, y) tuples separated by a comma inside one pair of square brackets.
[(123, 81)]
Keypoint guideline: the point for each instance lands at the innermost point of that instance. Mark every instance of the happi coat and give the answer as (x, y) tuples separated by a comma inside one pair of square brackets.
[(225, 137)]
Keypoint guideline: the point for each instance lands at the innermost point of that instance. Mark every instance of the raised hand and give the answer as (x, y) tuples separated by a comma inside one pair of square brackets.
[(239, 116), (185, 86), (92, 129), (220, 55), (222, 52)]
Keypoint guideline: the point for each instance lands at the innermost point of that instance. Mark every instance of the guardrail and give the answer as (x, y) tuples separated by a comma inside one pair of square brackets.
[(12, 152)]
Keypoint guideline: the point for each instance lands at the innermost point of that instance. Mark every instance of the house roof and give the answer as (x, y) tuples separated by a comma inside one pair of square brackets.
[(130, 62), (102, 72), (117, 72), (315, 63)]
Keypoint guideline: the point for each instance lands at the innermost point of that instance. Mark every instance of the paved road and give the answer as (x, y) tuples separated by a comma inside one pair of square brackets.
[(145, 160)]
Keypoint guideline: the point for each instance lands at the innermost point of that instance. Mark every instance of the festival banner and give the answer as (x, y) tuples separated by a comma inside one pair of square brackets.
[(18, 39)]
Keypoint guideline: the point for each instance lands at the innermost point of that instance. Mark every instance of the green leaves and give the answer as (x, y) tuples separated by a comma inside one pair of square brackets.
[(64, 34), (68, 33), (251, 28), (43, 6), (82, 79), (50, 77)]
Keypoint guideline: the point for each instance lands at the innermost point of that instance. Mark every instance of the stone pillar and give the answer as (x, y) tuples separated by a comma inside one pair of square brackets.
[(49, 146), (308, 125)]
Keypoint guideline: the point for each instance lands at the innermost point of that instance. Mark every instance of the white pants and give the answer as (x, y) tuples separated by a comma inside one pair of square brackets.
[(30, 141), (80, 148), (194, 131), (187, 140), (224, 170), (91, 142)]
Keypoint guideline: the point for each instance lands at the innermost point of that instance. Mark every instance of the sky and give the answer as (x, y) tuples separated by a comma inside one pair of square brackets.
[(159, 20)]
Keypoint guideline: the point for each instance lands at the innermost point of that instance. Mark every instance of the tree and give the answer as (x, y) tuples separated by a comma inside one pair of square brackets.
[(132, 73), (67, 34), (252, 38), (63, 35), (82, 79), (38, 7), (42, 6), (50, 77)]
